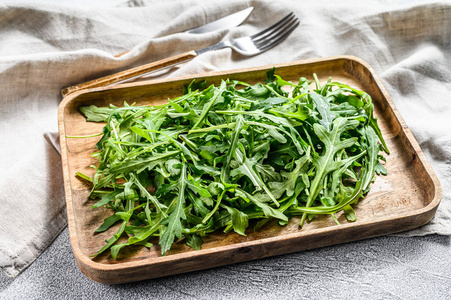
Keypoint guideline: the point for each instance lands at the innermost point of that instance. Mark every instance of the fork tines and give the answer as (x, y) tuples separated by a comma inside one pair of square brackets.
[(276, 33)]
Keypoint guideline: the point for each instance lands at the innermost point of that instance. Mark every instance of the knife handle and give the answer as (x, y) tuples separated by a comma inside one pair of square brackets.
[(130, 73)]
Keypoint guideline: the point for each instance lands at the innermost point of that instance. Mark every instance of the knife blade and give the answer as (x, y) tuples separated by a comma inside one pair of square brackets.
[(226, 22)]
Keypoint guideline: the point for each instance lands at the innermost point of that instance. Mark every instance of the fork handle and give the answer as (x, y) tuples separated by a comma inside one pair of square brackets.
[(130, 73)]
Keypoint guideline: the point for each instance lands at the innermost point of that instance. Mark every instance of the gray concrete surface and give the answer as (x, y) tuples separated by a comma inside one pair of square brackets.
[(379, 268)]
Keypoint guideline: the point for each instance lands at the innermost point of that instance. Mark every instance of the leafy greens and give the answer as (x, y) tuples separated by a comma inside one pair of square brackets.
[(219, 157)]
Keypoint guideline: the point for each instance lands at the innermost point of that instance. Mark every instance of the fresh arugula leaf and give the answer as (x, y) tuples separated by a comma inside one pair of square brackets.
[(174, 228), (239, 220), (326, 163)]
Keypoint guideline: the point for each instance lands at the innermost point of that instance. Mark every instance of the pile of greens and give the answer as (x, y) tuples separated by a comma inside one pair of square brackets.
[(218, 157)]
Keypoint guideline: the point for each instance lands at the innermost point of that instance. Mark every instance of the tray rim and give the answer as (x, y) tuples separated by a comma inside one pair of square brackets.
[(85, 263)]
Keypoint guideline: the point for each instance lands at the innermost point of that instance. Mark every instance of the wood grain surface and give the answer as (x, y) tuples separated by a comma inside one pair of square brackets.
[(404, 199)]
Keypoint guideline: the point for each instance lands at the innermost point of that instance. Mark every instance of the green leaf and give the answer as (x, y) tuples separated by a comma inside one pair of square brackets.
[(160, 208), (325, 163), (174, 228), (115, 250), (113, 239), (239, 220), (106, 199), (141, 236), (349, 213), (231, 151), (270, 102), (96, 114), (209, 105), (138, 165), (301, 113), (194, 241), (370, 144), (107, 223), (267, 210), (196, 187), (276, 135), (173, 166), (246, 168), (267, 172), (380, 169), (292, 183), (144, 233), (323, 107), (141, 133)]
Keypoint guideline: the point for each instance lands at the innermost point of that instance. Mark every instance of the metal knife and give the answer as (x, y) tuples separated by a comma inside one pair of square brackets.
[(229, 21), (226, 22)]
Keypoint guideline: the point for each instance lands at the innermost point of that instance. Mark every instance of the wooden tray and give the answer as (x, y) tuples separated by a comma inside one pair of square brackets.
[(404, 199)]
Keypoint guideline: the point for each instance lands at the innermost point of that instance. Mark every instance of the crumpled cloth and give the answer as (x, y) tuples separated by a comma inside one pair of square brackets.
[(45, 47)]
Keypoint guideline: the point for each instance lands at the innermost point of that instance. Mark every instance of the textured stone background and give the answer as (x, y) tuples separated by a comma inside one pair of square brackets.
[(380, 268)]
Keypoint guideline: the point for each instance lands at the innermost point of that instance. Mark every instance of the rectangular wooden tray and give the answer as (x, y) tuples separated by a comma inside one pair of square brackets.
[(404, 199)]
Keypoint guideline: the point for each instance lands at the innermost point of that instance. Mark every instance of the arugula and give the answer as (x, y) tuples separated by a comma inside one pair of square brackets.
[(229, 157)]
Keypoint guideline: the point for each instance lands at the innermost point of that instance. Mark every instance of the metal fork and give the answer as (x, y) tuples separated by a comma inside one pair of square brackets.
[(260, 42), (248, 46)]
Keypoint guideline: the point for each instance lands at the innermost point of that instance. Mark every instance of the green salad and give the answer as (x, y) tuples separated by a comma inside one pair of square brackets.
[(233, 157)]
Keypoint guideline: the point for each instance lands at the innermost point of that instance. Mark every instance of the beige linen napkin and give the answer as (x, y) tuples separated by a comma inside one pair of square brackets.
[(45, 47)]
